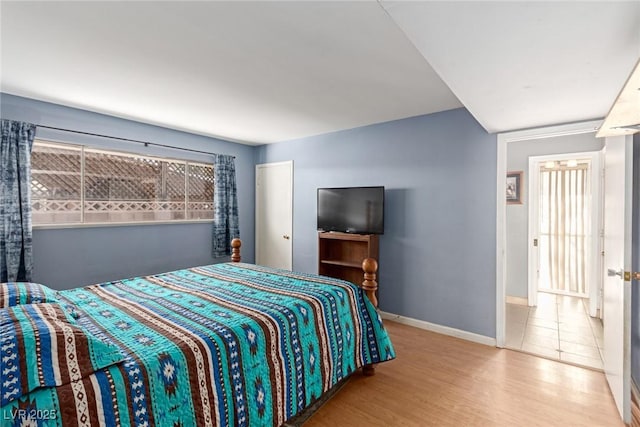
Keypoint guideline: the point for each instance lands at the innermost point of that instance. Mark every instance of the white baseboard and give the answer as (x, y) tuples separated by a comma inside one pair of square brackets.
[(516, 300), (445, 330)]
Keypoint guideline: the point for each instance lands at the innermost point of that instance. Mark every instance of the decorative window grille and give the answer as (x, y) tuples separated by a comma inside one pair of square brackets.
[(200, 190), (73, 184)]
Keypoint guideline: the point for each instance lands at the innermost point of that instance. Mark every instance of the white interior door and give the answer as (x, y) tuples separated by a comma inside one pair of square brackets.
[(274, 214), (617, 260)]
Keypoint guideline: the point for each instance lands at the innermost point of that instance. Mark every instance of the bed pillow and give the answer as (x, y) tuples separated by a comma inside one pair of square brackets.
[(41, 347), (16, 293)]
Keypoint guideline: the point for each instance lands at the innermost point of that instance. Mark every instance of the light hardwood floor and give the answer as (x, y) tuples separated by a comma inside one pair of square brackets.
[(443, 381)]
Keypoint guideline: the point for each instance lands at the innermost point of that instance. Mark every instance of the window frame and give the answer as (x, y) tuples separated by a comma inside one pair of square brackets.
[(94, 149)]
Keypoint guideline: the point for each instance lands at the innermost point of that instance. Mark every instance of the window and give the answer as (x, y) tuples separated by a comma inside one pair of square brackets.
[(73, 184)]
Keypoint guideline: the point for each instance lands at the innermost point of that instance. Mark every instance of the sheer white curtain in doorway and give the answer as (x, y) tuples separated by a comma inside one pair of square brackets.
[(564, 228)]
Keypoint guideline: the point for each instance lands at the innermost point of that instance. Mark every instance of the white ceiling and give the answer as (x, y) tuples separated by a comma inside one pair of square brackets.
[(517, 65), (261, 72)]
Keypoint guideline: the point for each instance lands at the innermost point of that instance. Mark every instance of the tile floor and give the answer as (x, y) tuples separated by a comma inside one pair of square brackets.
[(558, 328)]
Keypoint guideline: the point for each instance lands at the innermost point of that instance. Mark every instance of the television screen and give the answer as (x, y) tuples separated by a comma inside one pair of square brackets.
[(357, 210)]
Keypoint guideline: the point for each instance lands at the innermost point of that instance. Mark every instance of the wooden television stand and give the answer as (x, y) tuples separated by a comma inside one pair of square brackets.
[(340, 255)]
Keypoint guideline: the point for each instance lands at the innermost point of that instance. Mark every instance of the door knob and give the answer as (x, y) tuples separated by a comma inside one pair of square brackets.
[(286, 237), (611, 272)]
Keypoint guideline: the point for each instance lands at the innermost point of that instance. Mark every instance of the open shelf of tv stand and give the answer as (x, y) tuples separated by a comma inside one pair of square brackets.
[(340, 255), (342, 263)]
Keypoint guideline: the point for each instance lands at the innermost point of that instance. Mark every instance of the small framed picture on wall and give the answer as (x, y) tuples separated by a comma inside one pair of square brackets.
[(514, 188)]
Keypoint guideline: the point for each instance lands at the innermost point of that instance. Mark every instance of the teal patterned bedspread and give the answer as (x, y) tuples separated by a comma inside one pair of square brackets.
[(225, 344)]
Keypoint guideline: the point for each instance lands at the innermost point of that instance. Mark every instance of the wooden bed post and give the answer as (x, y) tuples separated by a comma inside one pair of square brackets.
[(370, 268), (235, 250), (370, 286)]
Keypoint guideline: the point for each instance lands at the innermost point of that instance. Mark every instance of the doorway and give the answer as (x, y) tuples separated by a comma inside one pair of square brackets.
[(560, 318), (539, 324)]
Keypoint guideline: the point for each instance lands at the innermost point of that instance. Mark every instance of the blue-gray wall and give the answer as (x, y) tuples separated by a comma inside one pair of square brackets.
[(437, 256), (72, 257)]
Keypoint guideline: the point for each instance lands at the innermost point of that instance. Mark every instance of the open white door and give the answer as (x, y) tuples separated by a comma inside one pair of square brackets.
[(274, 214), (617, 261)]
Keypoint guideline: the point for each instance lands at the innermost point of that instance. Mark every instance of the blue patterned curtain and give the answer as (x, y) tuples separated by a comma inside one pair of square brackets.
[(225, 205), (16, 259)]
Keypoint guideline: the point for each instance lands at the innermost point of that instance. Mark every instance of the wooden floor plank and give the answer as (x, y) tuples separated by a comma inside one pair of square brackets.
[(443, 381)]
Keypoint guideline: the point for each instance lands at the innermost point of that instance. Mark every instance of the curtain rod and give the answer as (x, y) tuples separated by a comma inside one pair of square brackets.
[(146, 143)]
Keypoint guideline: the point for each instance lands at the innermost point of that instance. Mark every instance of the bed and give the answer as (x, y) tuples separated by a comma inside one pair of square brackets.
[(224, 344)]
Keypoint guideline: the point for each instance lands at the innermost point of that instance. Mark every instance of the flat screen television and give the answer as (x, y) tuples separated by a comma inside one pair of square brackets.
[(358, 210)]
